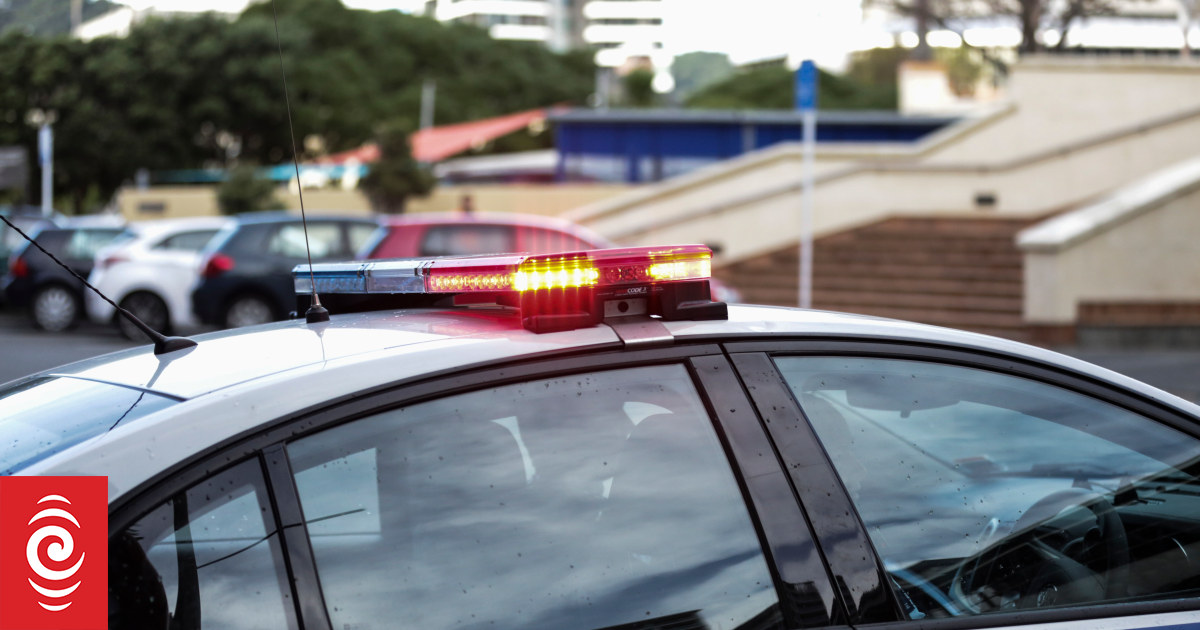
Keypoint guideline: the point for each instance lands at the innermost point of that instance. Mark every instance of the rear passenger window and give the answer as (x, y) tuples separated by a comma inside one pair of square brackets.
[(186, 241), (467, 240), (588, 501), (208, 558), (323, 240)]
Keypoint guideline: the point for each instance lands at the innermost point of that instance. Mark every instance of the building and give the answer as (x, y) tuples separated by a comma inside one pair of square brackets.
[(116, 23)]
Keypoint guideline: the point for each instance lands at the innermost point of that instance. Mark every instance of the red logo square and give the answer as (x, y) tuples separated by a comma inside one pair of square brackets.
[(53, 553)]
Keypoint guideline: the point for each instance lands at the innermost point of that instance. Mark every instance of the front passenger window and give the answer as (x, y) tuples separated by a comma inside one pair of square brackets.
[(987, 493)]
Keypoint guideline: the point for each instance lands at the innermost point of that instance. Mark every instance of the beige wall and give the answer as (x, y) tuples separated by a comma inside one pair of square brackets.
[(1153, 256), (1074, 130), (179, 201)]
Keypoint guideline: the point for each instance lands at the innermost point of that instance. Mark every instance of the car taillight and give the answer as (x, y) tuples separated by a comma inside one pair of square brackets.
[(18, 267), (217, 264), (109, 261)]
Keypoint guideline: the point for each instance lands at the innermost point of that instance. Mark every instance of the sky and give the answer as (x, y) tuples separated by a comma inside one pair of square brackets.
[(746, 30)]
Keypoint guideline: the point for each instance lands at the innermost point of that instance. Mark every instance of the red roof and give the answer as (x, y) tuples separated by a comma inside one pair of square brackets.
[(438, 143)]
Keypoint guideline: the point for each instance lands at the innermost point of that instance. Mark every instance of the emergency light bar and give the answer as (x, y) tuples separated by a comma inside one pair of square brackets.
[(553, 291)]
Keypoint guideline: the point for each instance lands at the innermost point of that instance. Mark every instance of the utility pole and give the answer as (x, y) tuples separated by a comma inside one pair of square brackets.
[(76, 14)]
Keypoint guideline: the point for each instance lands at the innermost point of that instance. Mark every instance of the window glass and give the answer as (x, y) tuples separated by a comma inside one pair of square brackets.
[(359, 234), (579, 502), (43, 416), (207, 558), (187, 241), (467, 240), (85, 243), (544, 241), (990, 493), (325, 239)]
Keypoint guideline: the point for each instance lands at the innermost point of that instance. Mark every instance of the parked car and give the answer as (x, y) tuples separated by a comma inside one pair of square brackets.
[(52, 295), (463, 234), (246, 276), (468, 234), (150, 271), (28, 219), (656, 461)]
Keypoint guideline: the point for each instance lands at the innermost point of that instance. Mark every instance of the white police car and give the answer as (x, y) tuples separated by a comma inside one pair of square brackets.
[(608, 450)]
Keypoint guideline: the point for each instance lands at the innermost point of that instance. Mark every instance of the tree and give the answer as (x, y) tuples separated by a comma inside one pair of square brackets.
[(697, 70), (638, 87), (205, 92), (245, 191), (773, 88), (396, 176), (1032, 17)]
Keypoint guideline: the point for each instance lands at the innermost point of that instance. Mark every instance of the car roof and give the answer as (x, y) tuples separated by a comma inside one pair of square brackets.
[(234, 381), (158, 227)]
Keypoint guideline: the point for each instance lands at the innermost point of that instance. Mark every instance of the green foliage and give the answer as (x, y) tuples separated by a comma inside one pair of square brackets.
[(45, 17), (964, 67), (638, 87), (245, 191), (206, 92), (396, 176), (696, 70), (774, 87)]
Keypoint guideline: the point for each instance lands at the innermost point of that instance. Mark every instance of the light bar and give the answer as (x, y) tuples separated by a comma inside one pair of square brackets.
[(604, 268), (552, 291)]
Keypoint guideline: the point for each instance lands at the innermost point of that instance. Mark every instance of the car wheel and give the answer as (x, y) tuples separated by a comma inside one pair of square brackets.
[(147, 307), (55, 309), (248, 310)]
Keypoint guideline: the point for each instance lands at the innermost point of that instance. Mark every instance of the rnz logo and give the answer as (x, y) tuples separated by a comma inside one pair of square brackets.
[(53, 553)]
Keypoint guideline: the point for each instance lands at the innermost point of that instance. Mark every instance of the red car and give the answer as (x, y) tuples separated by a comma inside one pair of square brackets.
[(461, 234)]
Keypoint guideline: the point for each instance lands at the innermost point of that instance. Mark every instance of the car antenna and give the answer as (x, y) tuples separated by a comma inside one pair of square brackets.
[(162, 343), (315, 313)]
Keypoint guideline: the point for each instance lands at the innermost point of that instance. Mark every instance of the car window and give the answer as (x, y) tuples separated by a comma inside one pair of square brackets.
[(209, 557), (985, 492), (467, 240), (43, 416), (359, 234), (84, 244), (586, 501), (544, 241), (324, 239), (186, 241)]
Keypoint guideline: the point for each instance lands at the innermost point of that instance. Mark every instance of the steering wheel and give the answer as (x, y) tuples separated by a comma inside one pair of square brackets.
[(1039, 565)]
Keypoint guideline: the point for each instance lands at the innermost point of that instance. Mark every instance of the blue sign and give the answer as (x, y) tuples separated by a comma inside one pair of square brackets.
[(806, 86)]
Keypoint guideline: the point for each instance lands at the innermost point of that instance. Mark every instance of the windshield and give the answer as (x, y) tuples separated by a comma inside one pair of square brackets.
[(44, 416)]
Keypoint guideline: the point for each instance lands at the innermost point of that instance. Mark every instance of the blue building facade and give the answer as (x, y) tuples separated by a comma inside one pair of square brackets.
[(646, 146)]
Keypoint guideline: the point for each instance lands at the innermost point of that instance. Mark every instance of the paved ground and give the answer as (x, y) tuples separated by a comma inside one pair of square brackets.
[(24, 350)]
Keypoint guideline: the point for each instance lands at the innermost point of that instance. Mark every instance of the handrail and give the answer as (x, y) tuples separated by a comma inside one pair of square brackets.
[(1122, 205), (1028, 160)]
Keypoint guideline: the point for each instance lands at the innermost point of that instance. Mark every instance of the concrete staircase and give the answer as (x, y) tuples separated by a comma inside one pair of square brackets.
[(957, 272)]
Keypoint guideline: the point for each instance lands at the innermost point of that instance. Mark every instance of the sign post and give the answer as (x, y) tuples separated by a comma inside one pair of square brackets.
[(46, 161), (806, 102)]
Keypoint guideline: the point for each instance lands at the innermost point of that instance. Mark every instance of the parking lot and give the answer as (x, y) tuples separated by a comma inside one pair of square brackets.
[(26, 351)]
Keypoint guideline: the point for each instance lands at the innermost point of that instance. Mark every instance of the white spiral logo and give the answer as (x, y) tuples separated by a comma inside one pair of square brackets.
[(59, 552)]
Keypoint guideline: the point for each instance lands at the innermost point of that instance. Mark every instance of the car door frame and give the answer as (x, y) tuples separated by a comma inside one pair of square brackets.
[(853, 561), (806, 595)]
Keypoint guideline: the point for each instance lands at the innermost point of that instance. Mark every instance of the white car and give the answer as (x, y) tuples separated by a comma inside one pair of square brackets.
[(151, 272), (584, 440)]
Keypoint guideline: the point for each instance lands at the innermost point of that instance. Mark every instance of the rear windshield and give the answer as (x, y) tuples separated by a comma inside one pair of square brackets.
[(44, 416)]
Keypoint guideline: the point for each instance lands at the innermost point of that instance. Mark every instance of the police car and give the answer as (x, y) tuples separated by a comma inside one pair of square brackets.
[(584, 440)]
